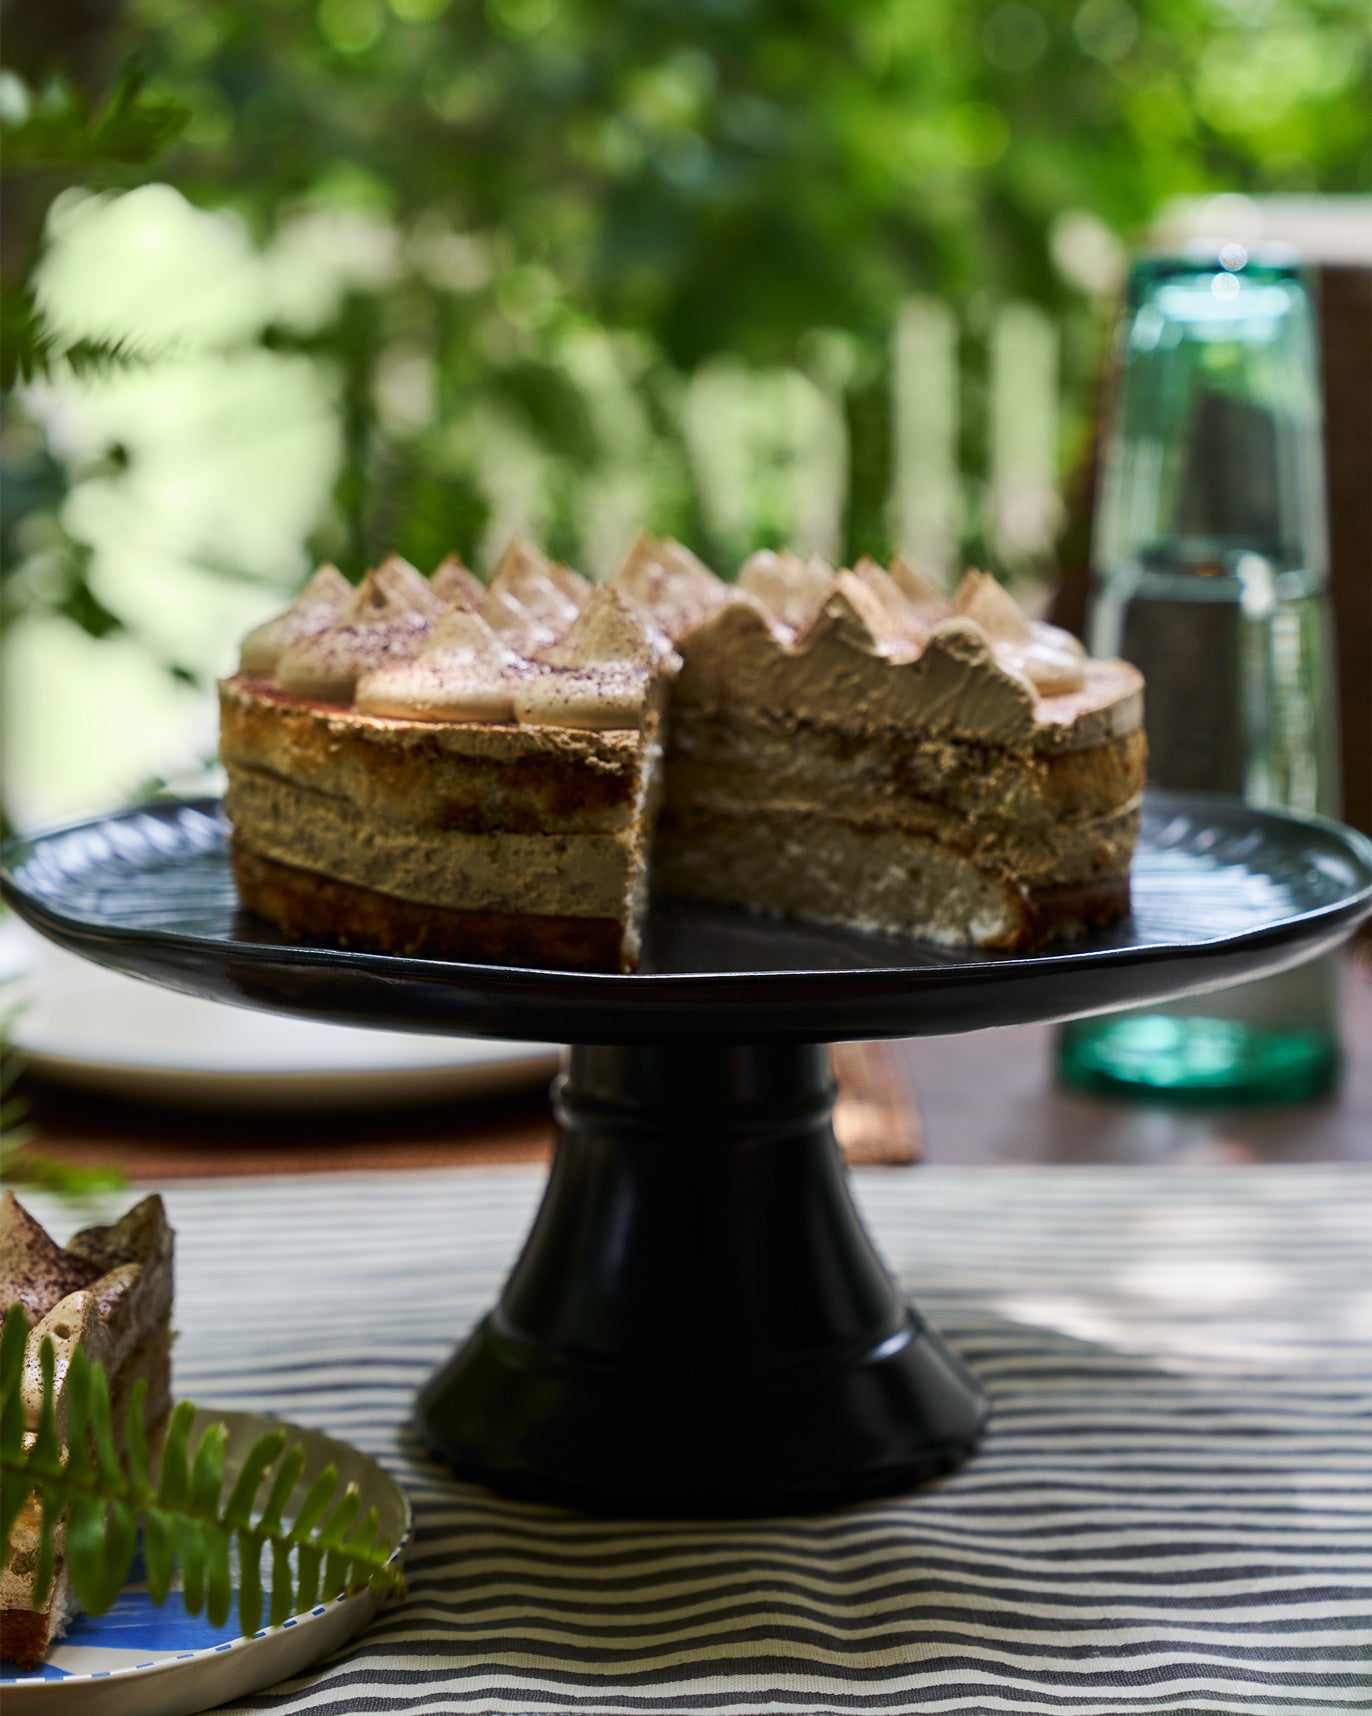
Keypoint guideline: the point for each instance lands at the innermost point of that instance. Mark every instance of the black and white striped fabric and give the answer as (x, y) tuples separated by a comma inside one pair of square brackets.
[(1172, 1510)]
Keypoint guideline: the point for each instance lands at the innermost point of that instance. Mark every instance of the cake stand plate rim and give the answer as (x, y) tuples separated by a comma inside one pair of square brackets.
[(793, 1004)]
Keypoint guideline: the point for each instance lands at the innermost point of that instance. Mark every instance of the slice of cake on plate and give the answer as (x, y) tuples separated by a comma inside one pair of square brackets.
[(482, 779), (108, 1291)]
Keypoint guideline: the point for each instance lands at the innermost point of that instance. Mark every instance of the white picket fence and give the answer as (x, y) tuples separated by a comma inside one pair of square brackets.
[(770, 455)]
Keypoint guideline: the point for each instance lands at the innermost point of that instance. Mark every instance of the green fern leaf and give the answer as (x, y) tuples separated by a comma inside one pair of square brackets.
[(136, 1438), (78, 1397), (261, 1456), (121, 1545), (174, 1481), (85, 1555), (341, 1521), (190, 1552), (50, 1506), (102, 1426), (207, 1474), (219, 1576), (358, 1547), (104, 1497), (159, 1552), (13, 1344), (287, 1477), (249, 1584), (283, 1584), (46, 1454), (320, 1494), (308, 1564), (15, 1490)]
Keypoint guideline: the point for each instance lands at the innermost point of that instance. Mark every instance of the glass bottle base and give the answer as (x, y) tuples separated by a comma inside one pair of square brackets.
[(1197, 1059)]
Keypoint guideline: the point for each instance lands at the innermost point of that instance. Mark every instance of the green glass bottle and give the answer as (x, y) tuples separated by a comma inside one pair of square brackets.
[(1209, 558)]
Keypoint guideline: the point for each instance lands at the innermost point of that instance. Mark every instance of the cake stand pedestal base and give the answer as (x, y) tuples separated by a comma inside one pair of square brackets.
[(699, 1323)]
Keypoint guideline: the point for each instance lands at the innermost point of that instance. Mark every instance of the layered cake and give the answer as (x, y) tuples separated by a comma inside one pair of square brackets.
[(108, 1292), (505, 772), (472, 781)]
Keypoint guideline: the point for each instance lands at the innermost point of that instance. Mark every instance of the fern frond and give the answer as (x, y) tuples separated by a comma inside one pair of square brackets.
[(31, 350), (104, 1496)]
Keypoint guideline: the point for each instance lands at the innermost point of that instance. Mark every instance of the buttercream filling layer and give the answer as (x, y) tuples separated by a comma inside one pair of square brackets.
[(577, 875), (898, 881), (876, 879), (770, 758), (440, 775), (1090, 848)]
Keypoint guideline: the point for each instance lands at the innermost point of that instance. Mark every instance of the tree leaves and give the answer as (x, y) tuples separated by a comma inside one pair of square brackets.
[(317, 1551), (59, 130)]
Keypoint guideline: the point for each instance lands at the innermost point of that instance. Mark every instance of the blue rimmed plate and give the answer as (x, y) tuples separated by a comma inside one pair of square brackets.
[(144, 1660)]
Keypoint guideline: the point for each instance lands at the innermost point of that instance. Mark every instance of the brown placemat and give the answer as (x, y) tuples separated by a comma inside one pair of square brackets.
[(876, 1119)]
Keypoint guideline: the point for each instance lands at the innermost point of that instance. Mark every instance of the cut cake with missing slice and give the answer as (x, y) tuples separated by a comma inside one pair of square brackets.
[(482, 781)]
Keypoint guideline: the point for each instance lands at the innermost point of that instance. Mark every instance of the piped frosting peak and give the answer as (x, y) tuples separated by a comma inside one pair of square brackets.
[(531, 600), (929, 603), (541, 645), (387, 619), (601, 674), (465, 672), (1049, 658), (317, 606), (788, 588), (393, 590), (453, 584), (669, 585), (903, 629)]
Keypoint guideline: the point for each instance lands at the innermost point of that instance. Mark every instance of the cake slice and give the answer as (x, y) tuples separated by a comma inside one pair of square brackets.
[(490, 796), (108, 1292)]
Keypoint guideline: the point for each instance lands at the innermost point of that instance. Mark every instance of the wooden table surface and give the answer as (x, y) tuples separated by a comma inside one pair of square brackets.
[(986, 1097), (992, 1098)]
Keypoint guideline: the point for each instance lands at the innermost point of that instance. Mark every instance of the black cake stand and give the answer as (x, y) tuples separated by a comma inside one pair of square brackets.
[(698, 1322)]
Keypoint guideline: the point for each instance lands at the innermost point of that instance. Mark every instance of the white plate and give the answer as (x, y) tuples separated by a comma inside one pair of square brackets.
[(145, 1660), (93, 1028)]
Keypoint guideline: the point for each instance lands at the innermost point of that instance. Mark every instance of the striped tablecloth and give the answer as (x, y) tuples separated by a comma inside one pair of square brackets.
[(1172, 1510)]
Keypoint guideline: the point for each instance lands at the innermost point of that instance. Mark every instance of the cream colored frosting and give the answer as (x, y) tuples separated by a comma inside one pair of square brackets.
[(387, 619), (531, 601), (465, 672), (854, 663), (540, 646), (789, 588), (452, 583), (1051, 659), (901, 621), (928, 601), (600, 675), (674, 590), (316, 607)]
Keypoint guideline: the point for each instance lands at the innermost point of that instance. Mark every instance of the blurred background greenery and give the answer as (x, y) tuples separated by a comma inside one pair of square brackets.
[(325, 280)]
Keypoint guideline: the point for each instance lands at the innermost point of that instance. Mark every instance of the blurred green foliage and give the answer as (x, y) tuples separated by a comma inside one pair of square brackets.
[(591, 198)]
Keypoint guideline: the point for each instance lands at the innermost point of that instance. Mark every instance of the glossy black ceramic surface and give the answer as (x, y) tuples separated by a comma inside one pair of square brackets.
[(1221, 893), (699, 1322)]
